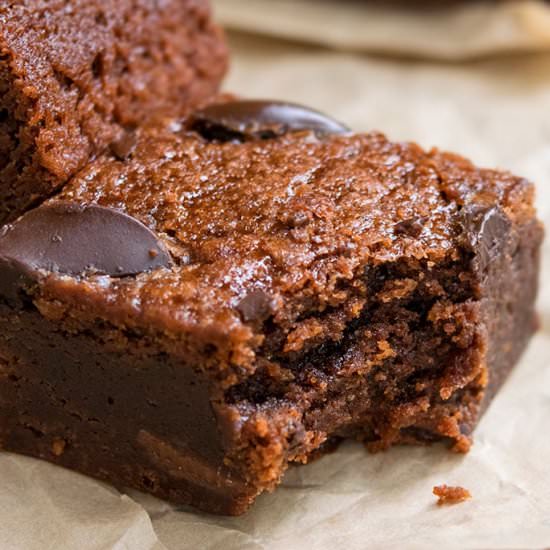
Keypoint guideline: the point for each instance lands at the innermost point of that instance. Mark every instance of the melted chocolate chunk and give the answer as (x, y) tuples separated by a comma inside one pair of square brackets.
[(123, 147), (483, 233), (255, 306), (74, 239), (412, 227), (249, 120)]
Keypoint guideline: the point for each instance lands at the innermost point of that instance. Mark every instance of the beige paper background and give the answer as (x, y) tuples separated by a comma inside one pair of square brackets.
[(437, 29), (498, 113)]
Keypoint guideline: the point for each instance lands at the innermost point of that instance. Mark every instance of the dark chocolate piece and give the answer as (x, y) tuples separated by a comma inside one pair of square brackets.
[(411, 227), (255, 306), (485, 228), (249, 120), (123, 147), (73, 238)]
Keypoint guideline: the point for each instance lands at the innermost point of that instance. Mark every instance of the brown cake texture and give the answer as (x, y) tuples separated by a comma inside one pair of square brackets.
[(75, 73), (249, 286)]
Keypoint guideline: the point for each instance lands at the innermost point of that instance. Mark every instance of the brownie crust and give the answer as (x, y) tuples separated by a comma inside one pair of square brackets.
[(75, 75), (321, 285)]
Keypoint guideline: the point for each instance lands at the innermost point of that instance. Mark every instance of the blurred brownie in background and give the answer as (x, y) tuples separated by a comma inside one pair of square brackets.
[(74, 75)]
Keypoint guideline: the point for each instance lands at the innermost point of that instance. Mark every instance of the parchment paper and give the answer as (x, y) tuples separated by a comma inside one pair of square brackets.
[(496, 112), (437, 29)]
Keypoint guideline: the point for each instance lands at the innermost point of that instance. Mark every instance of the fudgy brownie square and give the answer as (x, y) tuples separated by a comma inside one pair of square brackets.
[(74, 74), (249, 286)]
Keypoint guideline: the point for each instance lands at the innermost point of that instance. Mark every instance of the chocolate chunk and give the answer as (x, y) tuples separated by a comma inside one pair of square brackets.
[(411, 227), (123, 147), (13, 277), (73, 239), (484, 231), (255, 306), (249, 120)]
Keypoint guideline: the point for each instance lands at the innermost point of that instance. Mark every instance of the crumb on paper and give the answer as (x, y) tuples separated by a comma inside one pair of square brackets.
[(450, 495)]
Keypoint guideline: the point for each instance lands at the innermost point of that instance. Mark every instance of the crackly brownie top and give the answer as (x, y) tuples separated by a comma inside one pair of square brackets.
[(269, 219)]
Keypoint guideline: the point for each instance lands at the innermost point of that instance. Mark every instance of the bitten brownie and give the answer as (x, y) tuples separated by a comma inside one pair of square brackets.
[(74, 74), (251, 285)]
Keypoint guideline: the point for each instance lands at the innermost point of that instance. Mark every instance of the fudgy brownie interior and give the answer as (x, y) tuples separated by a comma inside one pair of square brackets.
[(296, 284)]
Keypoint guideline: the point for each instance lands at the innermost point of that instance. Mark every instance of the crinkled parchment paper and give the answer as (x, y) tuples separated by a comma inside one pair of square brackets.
[(445, 29), (498, 113)]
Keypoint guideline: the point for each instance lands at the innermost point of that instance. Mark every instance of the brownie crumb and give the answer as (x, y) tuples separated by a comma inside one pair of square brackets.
[(58, 446), (450, 495)]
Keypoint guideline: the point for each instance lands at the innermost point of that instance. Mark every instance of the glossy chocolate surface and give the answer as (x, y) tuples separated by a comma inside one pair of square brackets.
[(73, 239), (485, 229), (247, 120)]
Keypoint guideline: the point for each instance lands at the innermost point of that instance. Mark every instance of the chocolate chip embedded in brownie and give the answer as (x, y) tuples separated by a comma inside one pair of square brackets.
[(74, 75), (290, 284)]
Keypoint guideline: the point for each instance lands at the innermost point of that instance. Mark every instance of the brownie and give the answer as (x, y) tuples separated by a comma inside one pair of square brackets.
[(74, 74), (247, 287)]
